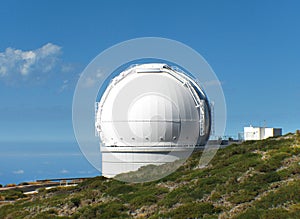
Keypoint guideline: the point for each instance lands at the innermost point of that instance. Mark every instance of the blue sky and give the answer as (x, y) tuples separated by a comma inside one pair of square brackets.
[(253, 47)]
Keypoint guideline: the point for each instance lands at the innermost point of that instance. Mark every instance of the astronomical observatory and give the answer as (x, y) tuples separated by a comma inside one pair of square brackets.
[(150, 114)]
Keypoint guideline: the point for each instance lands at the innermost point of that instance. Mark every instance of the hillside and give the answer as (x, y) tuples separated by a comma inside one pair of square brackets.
[(257, 179)]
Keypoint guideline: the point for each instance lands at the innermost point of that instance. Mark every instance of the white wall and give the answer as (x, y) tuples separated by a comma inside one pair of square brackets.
[(252, 133), (259, 133), (269, 132)]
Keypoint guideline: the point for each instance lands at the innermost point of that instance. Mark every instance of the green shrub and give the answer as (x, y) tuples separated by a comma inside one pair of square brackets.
[(146, 196), (140, 201), (266, 177), (75, 201), (275, 213), (105, 211), (192, 210), (11, 195), (289, 192), (249, 214), (179, 195), (118, 189), (243, 196)]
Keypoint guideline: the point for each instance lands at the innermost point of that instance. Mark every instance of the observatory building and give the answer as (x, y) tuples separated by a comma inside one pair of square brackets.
[(150, 114), (260, 133)]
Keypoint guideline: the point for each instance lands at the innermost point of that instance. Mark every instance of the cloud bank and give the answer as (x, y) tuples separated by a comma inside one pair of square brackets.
[(20, 66)]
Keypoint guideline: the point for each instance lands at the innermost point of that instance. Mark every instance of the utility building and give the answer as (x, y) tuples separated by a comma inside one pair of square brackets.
[(259, 133)]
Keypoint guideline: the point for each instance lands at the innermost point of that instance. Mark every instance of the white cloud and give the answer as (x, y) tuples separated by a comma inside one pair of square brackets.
[(64, 86), (67, 67), (64, 171), (18, 172), (91, 80), (3, 70), (16, 64)]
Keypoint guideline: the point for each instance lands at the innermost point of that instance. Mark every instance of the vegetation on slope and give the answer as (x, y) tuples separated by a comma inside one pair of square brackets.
[(257, 179)]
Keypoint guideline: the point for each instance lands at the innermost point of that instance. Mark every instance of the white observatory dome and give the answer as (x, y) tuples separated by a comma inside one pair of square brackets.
[(151, 108)]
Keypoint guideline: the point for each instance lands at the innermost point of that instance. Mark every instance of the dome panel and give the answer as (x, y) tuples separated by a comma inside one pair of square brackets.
[(154, 117)]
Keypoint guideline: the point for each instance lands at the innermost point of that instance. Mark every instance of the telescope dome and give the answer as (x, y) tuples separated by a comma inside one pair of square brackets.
[(153, 105)]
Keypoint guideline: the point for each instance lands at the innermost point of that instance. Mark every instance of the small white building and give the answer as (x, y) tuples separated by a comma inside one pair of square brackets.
[(259, 133)]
